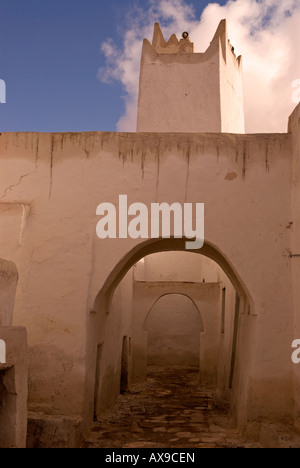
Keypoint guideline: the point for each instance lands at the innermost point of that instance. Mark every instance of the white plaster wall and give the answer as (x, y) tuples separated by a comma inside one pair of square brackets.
[(178, 93), (245, 183), (294, 128), (8, 286), (232, 92)]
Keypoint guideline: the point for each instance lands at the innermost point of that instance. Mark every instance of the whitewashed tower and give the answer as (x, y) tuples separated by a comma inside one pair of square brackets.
[(183, 91)]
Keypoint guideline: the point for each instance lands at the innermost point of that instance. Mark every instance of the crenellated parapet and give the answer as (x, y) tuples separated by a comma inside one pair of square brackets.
[(173, 46)]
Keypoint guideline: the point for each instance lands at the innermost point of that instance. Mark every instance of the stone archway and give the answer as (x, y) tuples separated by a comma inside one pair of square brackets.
[(102, 325), (166, 245)]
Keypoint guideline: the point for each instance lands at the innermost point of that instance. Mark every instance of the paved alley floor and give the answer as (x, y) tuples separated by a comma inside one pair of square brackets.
[(169, 411)]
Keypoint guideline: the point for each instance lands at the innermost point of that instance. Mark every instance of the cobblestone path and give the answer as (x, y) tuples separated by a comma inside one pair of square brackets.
[(169, 411)]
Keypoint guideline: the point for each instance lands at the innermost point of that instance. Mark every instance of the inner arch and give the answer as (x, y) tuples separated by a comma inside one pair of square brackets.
[(174, 325)]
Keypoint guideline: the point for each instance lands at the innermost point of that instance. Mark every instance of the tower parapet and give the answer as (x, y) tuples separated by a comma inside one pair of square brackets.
[(173, 46)]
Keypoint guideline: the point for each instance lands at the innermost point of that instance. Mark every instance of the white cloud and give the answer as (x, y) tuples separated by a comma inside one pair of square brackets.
[(265, 32)]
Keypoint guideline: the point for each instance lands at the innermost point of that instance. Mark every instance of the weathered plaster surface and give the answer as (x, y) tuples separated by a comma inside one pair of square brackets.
[(294, 129), (51, 186), (8, 286)]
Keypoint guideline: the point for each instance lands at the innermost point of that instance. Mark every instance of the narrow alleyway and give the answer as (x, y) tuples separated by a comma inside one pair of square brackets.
[(168, 411)]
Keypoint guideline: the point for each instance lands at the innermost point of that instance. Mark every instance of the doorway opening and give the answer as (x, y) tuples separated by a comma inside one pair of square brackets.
[(97, 380), (172, 308), (174, 327), (124, 367)]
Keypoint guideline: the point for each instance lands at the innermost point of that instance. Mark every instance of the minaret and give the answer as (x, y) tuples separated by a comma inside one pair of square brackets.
[(183, 91)]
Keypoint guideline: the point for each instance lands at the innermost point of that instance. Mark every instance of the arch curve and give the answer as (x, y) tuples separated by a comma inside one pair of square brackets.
[(202, 329), (153, 246)]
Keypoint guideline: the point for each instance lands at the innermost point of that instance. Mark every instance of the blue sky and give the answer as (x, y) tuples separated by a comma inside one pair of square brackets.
[(49, 58)]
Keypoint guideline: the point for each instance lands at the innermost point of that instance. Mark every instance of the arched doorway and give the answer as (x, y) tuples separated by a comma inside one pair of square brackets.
[(167, 245), (174, 326), (108, 324)]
